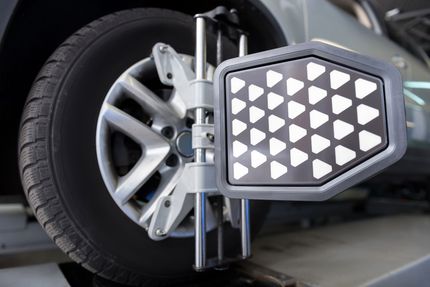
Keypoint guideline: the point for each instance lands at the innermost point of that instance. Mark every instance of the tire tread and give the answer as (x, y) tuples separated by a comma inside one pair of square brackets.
[(33, 148)]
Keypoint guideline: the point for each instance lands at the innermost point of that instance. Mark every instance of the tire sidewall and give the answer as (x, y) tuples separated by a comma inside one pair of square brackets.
[(94, 64)]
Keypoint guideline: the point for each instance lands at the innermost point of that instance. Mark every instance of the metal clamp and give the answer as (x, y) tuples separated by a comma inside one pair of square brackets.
[(197, 178), (171, 210), (201, 96), (190, 93), (203, 136)]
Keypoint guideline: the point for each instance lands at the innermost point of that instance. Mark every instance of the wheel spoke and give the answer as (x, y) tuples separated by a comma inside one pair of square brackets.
[(129, 184), (155, 150), (130, 126), (149, 101)]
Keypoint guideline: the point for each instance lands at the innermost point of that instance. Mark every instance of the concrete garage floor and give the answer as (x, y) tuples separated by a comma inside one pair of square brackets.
[(347, 254), (355, 253)]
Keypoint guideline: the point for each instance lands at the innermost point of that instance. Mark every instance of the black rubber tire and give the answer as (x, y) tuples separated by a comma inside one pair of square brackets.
[(57, 156)]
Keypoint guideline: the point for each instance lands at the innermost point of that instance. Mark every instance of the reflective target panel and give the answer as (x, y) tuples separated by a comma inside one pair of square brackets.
[(305, 122)]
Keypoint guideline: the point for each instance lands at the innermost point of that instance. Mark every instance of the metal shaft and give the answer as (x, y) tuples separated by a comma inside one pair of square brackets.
[(200, 59), (220, 212), (243, 45), (200, 229), (245, 228), (220, 209), (220, 229), (199, 154), (219, 51)]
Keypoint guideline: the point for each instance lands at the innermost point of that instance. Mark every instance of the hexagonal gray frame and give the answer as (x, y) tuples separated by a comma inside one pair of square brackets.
[(395, 113)]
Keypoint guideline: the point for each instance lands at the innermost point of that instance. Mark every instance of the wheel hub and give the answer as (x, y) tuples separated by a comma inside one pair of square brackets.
[(183, 144)]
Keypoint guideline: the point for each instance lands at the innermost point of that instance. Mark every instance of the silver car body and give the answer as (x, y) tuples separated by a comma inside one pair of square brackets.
[(312, 20)]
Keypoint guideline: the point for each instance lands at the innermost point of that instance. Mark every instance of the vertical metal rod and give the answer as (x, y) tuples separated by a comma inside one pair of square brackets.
[(220, 229), (200, 226), (243, 45), (219, 51), (200, 59), (220, 211), (245, 227), (199, 154)]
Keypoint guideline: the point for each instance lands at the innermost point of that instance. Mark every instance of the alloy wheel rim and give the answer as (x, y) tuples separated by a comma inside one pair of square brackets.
[(155, 125)]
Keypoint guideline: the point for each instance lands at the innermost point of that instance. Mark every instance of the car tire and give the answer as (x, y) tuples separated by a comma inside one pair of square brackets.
[(57, 154)]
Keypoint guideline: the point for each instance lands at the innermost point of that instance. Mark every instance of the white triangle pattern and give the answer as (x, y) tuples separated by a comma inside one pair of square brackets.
[(366, 114), (257, 159), (237, 105), (239, 170), (319, 143), (272, 78), (296, 133), (341, 129), (368, 140), (293, 86), (256, 136), (236, 85), (277, 169), (275, 123), (314, 70), (317, 119), (363, 88), (255, 114), (274, 100), (340, 104), (316, 94), (320, 168), (343, 155), (338, 79), (238, 127), (276, 146), (295, 109), (254, 92), (239, 148), (297, 157)]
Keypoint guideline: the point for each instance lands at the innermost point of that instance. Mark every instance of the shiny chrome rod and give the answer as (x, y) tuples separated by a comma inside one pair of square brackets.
[(245, 231), (199, 153)]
